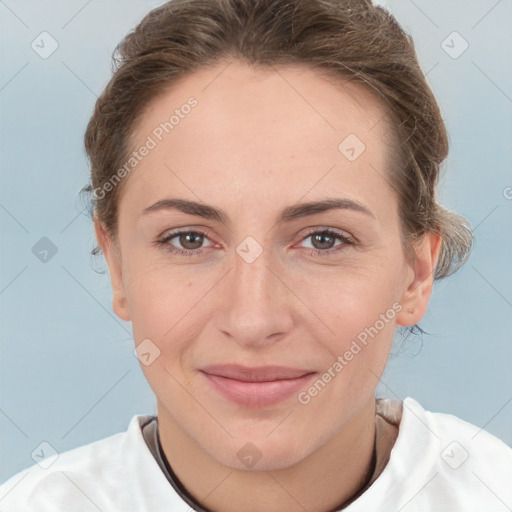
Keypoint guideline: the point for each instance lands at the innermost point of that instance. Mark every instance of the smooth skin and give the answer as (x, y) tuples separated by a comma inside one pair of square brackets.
[(258, 141)]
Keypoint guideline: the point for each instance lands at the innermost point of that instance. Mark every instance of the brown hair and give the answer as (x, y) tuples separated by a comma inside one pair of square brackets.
[(346, 39)]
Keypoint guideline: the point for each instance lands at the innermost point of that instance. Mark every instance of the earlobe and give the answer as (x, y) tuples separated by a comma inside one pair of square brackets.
[(419, 280), (113, 258)]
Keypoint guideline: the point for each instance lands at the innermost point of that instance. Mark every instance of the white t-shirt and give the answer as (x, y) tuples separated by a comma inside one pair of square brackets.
[(438, 463)]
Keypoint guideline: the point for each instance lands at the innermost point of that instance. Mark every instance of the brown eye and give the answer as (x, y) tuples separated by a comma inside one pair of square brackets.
[(323, 241), (190, 240), (187, 243)]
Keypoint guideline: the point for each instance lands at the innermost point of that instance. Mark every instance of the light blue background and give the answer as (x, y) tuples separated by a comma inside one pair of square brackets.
[(68, 375)]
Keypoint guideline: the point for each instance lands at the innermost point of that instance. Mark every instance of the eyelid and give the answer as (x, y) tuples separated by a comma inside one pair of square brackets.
[(173, 233), (342, 236), (339, 232), (204, 231)]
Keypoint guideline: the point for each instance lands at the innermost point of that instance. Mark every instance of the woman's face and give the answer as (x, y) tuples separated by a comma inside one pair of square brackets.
[(252, 282)]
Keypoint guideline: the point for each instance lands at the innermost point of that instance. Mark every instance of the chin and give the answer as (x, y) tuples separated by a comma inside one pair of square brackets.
[(253, 453)]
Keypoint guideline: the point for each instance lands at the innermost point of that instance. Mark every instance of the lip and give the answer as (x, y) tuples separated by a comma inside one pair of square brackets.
[(258, 387)]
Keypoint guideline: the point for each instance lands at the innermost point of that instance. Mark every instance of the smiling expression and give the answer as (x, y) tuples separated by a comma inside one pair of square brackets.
[(251, 238)]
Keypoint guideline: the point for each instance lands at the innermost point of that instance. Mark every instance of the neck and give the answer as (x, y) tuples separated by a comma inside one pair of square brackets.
[(320, 482)]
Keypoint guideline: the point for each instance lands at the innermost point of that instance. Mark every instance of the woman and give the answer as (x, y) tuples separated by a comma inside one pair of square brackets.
[(264, 181)]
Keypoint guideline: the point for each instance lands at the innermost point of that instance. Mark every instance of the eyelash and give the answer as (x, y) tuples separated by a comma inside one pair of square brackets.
[(164, 242)]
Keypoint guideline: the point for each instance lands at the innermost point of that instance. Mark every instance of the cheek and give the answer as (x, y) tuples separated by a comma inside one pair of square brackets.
[(351, 299), (161, 297), (156, 306), (172, 302), (172, 308), (165, 309), (359, 306)]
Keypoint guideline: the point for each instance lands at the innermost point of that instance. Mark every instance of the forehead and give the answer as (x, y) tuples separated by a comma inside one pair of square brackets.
[(234, 92), (287, 124)]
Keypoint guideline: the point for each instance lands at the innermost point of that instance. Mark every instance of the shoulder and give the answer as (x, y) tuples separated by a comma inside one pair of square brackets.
[(441, 462), (459, 440), (69, 480)]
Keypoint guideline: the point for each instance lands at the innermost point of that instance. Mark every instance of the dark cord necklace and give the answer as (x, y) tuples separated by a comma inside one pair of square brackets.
[(178, 486), (367, 480), (185, 495)]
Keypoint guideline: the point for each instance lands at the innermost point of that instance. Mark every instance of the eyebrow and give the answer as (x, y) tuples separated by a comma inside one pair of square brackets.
[(290, 213)]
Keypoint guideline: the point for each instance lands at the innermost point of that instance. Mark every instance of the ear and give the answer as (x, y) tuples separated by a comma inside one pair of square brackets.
[(419, 280), (113, 257)]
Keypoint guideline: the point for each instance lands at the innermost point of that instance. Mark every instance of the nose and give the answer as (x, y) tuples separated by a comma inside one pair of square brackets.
[(256, 304)]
